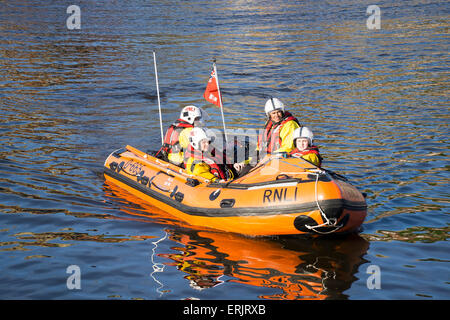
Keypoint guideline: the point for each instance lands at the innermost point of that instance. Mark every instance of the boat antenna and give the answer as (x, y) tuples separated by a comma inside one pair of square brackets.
[(159, 100)]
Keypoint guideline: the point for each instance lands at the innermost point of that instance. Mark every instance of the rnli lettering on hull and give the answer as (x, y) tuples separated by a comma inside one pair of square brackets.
[(132, 167), (279, 195)]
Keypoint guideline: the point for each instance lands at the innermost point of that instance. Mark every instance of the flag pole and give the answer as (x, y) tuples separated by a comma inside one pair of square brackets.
[(159, 101), (220, 100)]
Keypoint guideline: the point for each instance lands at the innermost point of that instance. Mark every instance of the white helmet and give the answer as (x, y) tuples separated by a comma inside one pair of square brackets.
[(196, 136), (303, 132), (273, 104), (190, 113)]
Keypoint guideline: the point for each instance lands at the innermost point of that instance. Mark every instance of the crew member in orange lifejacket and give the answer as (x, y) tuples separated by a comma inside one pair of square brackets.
[(176, 139), (279, 128), (304, 148), (201, 161), (277, 134)]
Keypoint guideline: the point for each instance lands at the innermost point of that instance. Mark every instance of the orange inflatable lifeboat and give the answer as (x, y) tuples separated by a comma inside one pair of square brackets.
[(281, 196)]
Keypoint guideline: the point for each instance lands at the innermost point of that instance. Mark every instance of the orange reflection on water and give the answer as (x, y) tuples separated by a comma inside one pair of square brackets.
[(294, 267)]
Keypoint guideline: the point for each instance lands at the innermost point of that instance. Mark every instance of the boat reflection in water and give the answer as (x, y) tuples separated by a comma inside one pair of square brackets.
[(295, 267)]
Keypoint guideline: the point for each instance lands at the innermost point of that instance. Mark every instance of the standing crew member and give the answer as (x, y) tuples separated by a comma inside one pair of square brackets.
[(176, 139), (279, 128), (304, 148), (277, 135)]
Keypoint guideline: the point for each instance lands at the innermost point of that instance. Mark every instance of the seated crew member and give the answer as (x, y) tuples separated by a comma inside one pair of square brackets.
[(278, 131), (200, 159), (304, 148), (176, 139)]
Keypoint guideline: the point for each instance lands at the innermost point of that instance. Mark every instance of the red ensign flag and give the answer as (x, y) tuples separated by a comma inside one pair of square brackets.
[(212, 91)]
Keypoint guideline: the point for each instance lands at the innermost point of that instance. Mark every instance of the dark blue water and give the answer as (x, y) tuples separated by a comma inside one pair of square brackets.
[(377, 101)]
